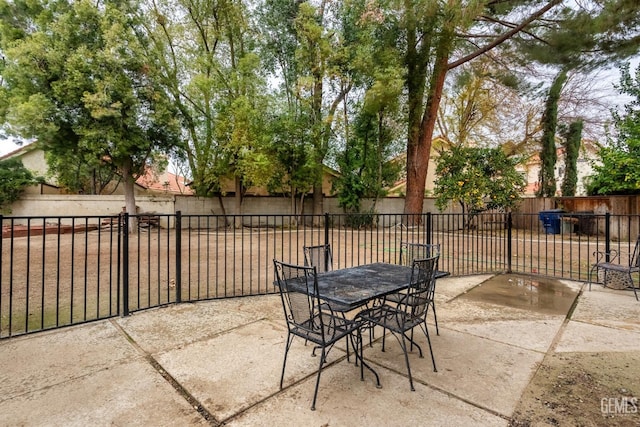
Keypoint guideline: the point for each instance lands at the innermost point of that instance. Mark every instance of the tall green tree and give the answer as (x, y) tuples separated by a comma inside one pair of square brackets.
[(548, 154), (74, 79), (290, 120), (572, 140), (309, 46), (618, 171), (372, 119), (426, 35), (205, 55), (294, 167), (366, 169), (321, 55), (431, 35)]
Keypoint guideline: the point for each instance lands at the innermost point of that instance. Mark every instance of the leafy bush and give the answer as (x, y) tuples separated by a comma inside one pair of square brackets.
[(360, 220), (14, 178), (478, 179)]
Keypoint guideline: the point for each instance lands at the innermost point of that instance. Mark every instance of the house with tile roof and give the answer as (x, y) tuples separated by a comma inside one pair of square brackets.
[(33, 158)]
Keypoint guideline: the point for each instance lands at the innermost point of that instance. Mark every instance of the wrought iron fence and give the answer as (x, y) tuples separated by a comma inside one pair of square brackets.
[(60, 271)]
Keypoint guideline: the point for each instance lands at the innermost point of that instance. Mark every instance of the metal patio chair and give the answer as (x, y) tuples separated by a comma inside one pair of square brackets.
[(409, 252), (299, 294), (318, 256), (409, 312), (321, 257), (616, 275)]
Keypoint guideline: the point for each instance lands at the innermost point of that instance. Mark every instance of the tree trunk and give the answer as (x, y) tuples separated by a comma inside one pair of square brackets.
[(419, 144), (320, 150), (318, 204), (129, 195), (237, 221), (224, 210), (299, 217)]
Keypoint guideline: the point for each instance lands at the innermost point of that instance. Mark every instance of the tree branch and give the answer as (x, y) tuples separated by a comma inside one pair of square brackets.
[(510, 25), (506, 36)]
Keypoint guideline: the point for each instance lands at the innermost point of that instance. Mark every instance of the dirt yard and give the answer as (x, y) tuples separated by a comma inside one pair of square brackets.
[(583, 389)]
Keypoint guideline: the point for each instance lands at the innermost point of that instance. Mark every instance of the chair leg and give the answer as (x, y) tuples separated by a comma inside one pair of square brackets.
[(371, 336), (371, 328), (633, 286), (364, 364), (284, 362), (315, 393), (384, 335), (403, 343), (413, 343), (435, 316), (426, 333), (344, 316), (359, 338), (348, 360)]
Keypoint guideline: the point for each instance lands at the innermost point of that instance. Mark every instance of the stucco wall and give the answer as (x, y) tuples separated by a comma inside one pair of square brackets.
[(281, 205), (60, 205), (263, 207)]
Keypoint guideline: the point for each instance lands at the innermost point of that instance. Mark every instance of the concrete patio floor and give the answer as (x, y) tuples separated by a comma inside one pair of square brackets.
[(219, 363)]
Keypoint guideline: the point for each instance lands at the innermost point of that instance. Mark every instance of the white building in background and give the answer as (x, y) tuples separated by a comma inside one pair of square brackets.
[(33, 158), (531, 169)]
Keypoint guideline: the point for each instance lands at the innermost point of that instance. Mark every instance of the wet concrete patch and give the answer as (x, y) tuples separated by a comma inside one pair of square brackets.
[(539, 294)]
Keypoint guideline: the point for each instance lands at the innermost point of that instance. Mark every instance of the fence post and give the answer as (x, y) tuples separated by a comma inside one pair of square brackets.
[(428, 228), (118, 262), (1, 264), (607, 236), (178, 256), (125, 264), (509, 242), (326, 228)]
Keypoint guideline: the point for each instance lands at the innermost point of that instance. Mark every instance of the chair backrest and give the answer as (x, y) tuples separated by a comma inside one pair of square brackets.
[(298, 287), (319, 256), (421, 289), (411, 251)]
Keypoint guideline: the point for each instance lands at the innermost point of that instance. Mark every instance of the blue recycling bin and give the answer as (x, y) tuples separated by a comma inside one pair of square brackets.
[(551, 220)]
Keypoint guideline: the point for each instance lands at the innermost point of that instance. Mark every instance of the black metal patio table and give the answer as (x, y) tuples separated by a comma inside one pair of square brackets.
[(356, 286)]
